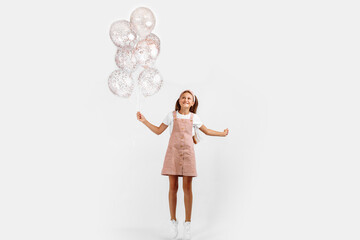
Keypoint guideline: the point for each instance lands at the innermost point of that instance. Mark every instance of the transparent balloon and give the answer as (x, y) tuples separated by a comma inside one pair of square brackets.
[(147, 50), (150, 81), (125, 59), (120, 83), (122, 34), (154, 44), (142, 54), (142, 21)]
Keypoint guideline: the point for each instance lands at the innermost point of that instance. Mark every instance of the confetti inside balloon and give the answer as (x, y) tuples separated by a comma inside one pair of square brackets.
[(122, 34), (142, 54), (120, 83), (150, 81), (147, 50), (142, 21), (125, 59), (154, 44)]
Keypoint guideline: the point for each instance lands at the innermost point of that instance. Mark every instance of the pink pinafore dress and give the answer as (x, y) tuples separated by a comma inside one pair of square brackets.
[(180, 154)]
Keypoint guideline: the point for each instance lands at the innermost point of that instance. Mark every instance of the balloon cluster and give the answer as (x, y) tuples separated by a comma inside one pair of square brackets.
[(137, 48)]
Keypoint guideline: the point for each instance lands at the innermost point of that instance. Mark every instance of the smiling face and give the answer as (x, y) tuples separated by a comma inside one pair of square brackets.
[(186, 100)]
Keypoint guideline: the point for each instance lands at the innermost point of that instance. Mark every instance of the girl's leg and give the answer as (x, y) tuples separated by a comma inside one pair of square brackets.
[(173, 187), (188, 197)]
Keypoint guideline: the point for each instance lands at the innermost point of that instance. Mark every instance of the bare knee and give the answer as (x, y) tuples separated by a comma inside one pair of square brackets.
[(187, 188), (187, 182), (173, 188), (173, 184)]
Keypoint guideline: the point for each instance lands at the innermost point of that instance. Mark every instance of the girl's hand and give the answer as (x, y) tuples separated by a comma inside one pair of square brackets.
[(140, 117), (226, 132)]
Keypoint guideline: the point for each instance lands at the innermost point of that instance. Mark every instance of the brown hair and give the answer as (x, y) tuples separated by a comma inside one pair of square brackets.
[(192, 109)]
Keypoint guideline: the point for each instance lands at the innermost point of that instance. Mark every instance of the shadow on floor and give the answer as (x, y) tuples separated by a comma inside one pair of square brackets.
[(131, 233)]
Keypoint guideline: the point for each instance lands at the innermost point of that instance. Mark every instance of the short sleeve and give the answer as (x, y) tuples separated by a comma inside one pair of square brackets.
[(197, 121), (168, 119)]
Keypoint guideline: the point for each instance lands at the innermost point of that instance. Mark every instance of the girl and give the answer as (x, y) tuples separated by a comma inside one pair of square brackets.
[(180, 156)]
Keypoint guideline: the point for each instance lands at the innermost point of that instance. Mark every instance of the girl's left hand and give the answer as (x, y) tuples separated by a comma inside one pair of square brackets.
[(226, 132)]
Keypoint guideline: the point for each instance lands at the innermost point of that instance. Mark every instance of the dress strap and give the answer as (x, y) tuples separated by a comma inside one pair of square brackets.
[(191, 116), (174, 114)]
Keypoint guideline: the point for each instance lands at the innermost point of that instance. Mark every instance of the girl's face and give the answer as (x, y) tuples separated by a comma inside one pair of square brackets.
[(186, 100)]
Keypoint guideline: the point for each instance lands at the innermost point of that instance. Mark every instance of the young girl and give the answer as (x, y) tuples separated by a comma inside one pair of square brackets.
[(180, 156)]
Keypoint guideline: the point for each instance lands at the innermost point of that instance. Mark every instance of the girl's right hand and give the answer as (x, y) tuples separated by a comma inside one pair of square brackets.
[(140, 117)]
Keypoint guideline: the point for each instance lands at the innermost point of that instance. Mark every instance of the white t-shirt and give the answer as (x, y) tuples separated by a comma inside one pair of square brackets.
[(168, 120)]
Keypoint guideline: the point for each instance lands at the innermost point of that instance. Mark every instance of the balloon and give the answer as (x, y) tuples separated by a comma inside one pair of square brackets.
[(125, 59), (147, 50), (120, 83), (154, 44), (150, 81), (142, 21), (142, 54), (121, 34)]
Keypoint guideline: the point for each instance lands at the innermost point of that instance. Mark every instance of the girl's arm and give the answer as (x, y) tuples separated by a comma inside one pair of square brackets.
[(155, 129), (211, 132)]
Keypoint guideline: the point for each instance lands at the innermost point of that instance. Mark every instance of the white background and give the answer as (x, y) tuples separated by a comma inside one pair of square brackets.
[(281, 75)]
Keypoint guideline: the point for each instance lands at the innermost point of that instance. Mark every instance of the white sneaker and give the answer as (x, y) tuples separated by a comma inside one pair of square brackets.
[(187, 231), (173, 228)]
